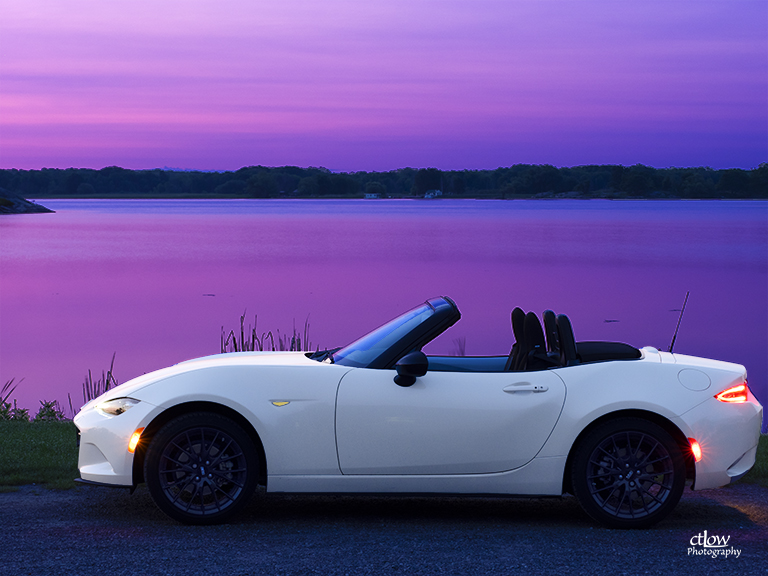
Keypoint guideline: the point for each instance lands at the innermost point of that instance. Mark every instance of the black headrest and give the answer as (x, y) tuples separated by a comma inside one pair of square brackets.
[(550, 330), (567, 341), (534, 335), (518, 324)]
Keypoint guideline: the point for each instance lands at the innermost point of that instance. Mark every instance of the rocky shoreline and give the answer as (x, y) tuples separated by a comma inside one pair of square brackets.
[(13, 204)]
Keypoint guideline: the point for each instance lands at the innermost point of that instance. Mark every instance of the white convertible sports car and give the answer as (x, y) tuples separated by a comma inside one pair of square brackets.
[(621, 428)]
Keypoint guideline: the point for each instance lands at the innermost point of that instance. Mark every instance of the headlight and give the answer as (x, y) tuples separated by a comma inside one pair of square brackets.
[(116, 407)]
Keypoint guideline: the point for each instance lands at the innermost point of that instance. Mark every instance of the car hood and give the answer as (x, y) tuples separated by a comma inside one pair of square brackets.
[(216, 360)]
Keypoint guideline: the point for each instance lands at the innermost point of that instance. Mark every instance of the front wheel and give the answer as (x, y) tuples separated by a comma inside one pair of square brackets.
[(201, 468), (628, 473)]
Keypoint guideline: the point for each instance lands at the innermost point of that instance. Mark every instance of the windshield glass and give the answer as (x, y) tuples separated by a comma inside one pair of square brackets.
[(365, 350)]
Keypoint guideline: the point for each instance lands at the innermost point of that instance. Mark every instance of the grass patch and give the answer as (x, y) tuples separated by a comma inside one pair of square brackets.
[(759, 472), (37, 453)]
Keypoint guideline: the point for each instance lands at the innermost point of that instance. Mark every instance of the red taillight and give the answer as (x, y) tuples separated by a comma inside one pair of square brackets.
[(695, 449), (735, 394)]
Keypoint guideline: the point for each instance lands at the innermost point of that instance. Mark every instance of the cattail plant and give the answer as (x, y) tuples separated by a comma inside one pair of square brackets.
[(250, 341), (95, 389)]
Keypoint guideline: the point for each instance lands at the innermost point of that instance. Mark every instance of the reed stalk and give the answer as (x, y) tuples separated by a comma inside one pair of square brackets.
[(251, 341), (95, 389)]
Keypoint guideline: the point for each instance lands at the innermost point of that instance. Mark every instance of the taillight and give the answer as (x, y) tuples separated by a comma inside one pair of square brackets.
[(735, 394)]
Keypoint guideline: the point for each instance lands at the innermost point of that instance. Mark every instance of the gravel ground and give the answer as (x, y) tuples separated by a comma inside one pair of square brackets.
[(92, 530)]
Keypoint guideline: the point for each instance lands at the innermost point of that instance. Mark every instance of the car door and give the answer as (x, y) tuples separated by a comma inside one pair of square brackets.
[(446, 423)]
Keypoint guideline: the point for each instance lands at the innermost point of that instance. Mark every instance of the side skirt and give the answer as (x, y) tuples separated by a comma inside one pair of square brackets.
[(540, 477)]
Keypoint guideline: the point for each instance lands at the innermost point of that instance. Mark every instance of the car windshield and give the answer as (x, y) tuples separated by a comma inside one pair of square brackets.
[(365, 350)]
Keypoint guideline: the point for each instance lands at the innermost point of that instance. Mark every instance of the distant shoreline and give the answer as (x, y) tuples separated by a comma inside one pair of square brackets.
[(415, 198), (520, 181)]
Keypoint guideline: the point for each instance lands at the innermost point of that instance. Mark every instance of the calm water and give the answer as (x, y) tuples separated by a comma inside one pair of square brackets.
[(154, 281)]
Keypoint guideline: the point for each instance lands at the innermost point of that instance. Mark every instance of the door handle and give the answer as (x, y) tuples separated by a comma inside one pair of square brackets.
[(525, 387)]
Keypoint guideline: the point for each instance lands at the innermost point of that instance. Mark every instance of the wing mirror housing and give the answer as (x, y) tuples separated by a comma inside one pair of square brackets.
[(410, 367)]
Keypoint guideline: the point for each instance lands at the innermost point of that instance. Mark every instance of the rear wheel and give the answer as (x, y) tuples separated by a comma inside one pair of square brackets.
[(628, 473), (201, 468)]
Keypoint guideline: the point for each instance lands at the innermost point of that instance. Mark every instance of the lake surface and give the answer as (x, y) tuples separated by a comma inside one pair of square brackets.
[(154, 281)]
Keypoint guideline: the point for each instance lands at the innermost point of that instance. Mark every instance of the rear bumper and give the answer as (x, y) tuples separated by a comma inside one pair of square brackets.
[(728, 435)]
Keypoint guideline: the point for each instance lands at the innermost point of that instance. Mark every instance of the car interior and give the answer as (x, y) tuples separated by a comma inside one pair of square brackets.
[(538, 348)]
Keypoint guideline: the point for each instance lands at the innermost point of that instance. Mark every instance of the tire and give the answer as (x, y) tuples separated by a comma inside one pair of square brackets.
[(201, 468), (628, 473)]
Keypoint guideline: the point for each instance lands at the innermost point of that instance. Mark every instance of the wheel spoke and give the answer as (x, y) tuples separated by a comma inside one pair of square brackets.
[(191, 445), (226, 494), (184, 450), (651, 480), (227, 473), (662, 459), (616, 449), (639, 447), (611, 456), (222, 452), (180, 492), (630, 454), (645, 506), (604, 488), (228, 458), (231, 481), (181, 465), (623, 495), (203, 449), (649, 454), (195, 490), (215, 498), (175, 483), (605, 500), (651, 495), (602, 475)]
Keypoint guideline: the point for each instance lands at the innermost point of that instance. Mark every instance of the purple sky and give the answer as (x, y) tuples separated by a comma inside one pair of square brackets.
[(354, 85)]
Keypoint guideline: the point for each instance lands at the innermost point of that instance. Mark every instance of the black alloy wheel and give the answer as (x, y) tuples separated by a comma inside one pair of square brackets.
[(628, 473), (201, 468)]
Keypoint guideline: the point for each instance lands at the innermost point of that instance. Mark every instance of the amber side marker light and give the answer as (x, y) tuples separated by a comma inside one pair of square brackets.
[(735, 394), (134, 441), (695, 449)]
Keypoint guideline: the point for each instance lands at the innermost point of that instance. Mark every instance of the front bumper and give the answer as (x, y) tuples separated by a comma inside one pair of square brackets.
[(91, 483), (103, 455)]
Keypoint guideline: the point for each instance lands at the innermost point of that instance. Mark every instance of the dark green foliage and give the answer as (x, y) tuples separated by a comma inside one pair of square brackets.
[(517, 181), (261, 185), (7, 412), (375, 188), (16, 414), (426, 179), (50, 412), (230, 188)]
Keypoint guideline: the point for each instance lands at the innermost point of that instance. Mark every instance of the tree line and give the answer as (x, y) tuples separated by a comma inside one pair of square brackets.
[(518, 181)]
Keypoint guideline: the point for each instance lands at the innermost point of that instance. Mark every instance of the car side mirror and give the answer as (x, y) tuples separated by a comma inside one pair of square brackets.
[(410, 367)]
